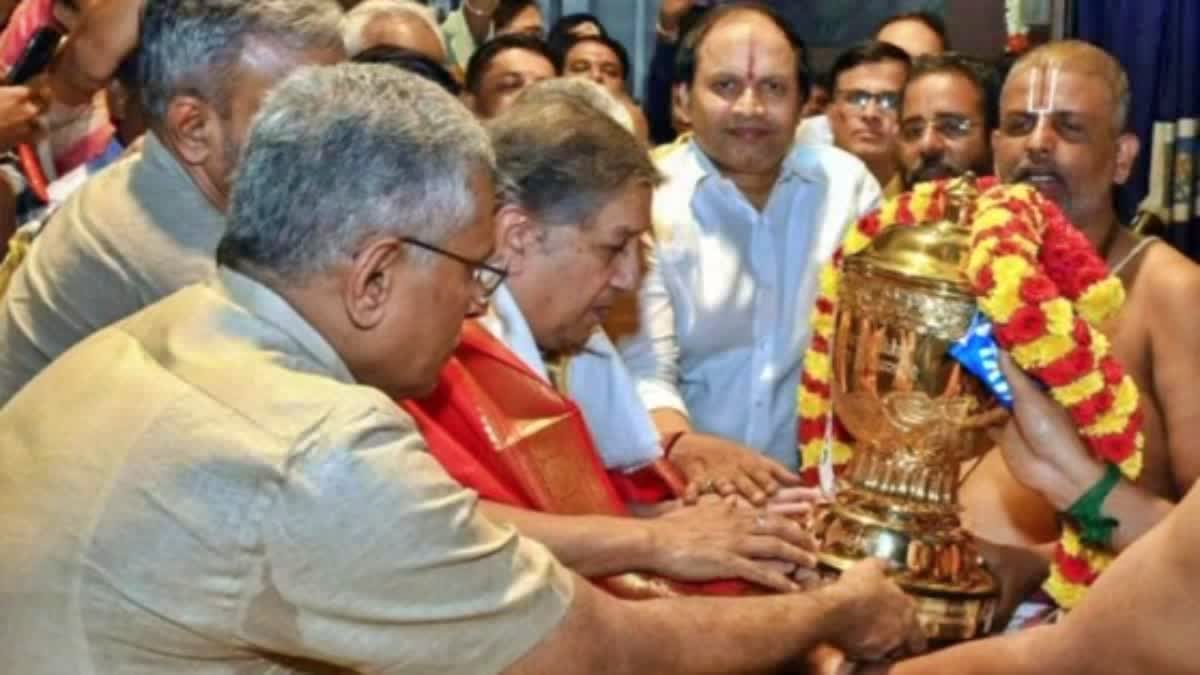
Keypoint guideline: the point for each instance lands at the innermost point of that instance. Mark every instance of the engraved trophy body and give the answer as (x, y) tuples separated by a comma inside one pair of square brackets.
[(916, 415)]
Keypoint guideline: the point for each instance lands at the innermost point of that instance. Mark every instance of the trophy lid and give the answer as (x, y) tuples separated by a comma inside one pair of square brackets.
[(929, 252)]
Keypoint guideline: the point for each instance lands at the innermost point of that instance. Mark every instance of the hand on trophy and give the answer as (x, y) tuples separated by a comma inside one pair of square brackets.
[(879, 619), (1041, 444), (715, 465), (718, 539)]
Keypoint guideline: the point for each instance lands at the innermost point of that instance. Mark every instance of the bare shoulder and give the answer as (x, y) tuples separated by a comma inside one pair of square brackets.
[(1170, 282)]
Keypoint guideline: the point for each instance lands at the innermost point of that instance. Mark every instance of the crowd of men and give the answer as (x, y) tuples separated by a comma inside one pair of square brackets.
[(318, 370)]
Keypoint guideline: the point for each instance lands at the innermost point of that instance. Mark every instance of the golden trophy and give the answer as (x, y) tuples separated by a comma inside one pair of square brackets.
[(916, 416)]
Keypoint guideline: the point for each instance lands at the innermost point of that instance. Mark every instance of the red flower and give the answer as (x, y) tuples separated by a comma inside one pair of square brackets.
[(904, 214), (1075, 570), (811, 429), (825, 306), (1082, 333), (838, 255), (1038, 289), (810, 477), (985, 281), (869, 224), (1086, 412), (1114, 448), (1064, 371), (1112, 370), (1027, 324), (819, 388), (820, 344)]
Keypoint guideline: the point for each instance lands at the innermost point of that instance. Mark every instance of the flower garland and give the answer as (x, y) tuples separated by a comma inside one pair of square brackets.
[(1045, 289)]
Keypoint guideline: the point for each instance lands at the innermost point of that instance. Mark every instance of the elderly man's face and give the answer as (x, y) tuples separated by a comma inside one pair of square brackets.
[(1057, 133), (598, 63), (442, 292), (573, 277), (506, 77), (261, 67), (408, 32), (528, 21), (912, 36), (942, 128), (863, 115), (744, 102)]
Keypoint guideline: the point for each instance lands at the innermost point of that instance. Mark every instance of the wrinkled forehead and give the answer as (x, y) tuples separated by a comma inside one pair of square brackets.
[(746, 43), (1057, 87)]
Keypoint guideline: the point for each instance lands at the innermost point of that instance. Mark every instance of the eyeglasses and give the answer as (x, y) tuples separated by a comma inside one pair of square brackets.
[(488, 277), (946, 126), (888, 101)]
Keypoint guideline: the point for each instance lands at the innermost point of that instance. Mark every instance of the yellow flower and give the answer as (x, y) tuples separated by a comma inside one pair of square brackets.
[(990, 219), (1100, 344), (829, 282), (812, 406), (1000, 304), (887, 214), (1131, 468), (1010, 270), (1043, 351), (981, 254), (855, 241), (1127, 397), (1107, 424), (816, 365), (1080, 390), (822, 324), (1070, 541), (1060, 318), (1101, 300)]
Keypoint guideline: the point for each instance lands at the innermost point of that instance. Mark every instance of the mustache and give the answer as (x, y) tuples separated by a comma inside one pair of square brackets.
[(934, 168), (1024, 173)]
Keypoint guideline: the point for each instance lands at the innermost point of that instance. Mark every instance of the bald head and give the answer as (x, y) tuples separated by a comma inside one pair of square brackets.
[(1080, 58), (393, 23)]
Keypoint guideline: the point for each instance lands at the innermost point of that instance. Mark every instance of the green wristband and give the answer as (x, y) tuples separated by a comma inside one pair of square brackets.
[(1095, 528)]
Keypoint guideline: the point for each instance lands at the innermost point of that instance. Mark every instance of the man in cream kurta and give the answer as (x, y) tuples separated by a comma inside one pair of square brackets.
[(223, 491)]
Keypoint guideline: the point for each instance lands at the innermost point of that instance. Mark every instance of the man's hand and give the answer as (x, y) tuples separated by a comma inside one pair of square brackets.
[(719, 540), (712, 464), (877, 618), (106, 34), (1041, 444), (669, 15), (19, 111)]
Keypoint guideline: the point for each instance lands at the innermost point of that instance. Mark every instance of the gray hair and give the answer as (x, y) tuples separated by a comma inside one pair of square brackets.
[(563, 160), (338, 154), (193, 46), (583, 91), (355, 23)]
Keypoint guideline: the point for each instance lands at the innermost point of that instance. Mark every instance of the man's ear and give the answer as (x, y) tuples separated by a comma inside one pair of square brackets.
[(373, 279), (516, 236), (192, 128), (682, 94), (1127, 152)]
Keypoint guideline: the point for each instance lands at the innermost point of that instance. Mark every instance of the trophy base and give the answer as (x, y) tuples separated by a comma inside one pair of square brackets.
[(946, 616), (935, 562)]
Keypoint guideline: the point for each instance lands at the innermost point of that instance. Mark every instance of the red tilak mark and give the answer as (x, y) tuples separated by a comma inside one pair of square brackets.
[(750, 66)]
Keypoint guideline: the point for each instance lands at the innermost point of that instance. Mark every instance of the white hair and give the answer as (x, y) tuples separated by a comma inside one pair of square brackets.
[(584, 91), (356, 21)]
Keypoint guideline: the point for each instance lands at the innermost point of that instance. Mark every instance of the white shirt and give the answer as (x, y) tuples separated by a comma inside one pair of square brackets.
[(725, 304), (599, 384), (816, 130)]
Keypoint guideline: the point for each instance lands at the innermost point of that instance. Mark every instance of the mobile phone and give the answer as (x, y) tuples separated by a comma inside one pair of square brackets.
[(37, 55)]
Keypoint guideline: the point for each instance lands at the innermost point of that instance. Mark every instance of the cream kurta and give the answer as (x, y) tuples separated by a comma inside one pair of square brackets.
[(203, 485)]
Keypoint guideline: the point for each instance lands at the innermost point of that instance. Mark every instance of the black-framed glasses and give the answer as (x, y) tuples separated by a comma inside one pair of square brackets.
[(488, 277), (859, 99), (944, 125)]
